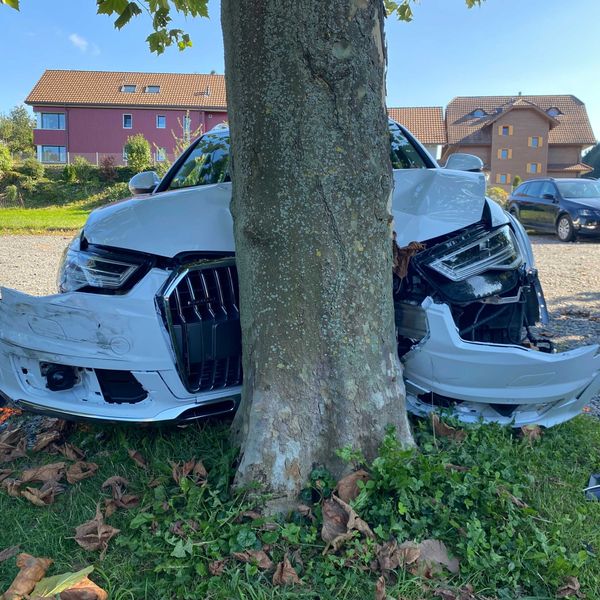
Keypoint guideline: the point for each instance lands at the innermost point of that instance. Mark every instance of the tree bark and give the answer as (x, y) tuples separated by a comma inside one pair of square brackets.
[(312, 184)]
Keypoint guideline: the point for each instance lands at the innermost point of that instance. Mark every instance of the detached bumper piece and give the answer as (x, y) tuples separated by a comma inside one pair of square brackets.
[(500, 383), (104, 357)]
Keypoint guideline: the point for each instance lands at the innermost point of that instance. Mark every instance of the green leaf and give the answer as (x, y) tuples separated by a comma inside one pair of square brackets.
[(108, 7), (131, 10), (50, 586), (12, 3), (141, 519)]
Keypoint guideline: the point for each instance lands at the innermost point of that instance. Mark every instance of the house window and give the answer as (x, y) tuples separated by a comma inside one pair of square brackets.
[(160, 155), (503, 178), (161, 121), (479, 112), (52, 121), (127, 121), (54, 154), (128, 88), (505, 130), (125, 155), (535, 142), (152, 89), (554, 112), (187, 124), (505, 153), (534, 167)]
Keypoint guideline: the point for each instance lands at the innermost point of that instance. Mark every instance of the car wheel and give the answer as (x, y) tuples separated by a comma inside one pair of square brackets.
[(564, 229), (514, 212)]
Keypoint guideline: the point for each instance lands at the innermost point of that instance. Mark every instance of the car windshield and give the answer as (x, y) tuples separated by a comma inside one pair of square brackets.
[(403, 154), (579, 189), (207, 163)]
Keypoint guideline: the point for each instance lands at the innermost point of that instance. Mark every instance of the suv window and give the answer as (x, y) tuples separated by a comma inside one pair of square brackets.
[(207, 163), (547, 188), (403, 154), (535, 189), (522, 190)]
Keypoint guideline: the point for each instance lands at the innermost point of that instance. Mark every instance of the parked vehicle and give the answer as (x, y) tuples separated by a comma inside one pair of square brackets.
[(146, 325), (568, 207)]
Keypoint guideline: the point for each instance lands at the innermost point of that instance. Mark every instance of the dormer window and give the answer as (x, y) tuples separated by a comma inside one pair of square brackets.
[(554, 112), (152, 89), (128, 88), (479, 112)]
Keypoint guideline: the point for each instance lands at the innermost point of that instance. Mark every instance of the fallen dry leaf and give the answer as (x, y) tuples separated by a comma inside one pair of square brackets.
[(380, 589), (192, 468), (458, 468), (572, 588), (12, 487), (306, 511), (9, 552), (116, 484), (81, 470), (531, 433), (137, 458), (51, 472), (433, 557), (54, 424), (502, 491), (285, 573), (6, 413), (339, 522), (216, 567), (11, 436), (443, 430), (45, 495), (387, 557), (10, 452), (44, 439), (248, 514), (256, 557), (32, 570), (71, 452), (95, 534), (84, 590), (347, 487), (119, 499)]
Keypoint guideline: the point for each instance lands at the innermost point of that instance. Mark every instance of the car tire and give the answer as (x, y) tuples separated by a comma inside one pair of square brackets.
[(565, 229), (514, 211)]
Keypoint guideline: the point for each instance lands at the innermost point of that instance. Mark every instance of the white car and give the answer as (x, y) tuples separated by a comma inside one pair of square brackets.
[(146, 325)]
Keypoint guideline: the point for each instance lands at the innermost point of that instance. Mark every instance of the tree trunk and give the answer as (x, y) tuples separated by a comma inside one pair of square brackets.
[(312, 186)]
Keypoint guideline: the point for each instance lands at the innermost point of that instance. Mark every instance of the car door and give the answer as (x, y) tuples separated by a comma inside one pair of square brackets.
[(528, 205), (548, 204)]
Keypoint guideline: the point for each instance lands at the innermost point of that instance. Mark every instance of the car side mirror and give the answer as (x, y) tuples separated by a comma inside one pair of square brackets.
[(464, 162), (549, 197), (143, 183)]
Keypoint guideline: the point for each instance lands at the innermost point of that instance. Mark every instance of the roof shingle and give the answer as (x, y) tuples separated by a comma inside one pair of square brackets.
[(425, 122), (103, 88), (463, 128)]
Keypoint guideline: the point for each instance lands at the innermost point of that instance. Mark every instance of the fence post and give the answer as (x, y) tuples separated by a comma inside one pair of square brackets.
[(97, 163)]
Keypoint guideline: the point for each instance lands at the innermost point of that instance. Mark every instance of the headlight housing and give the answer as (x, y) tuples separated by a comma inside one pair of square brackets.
[(588, 212), (485, 251), (88, 268)]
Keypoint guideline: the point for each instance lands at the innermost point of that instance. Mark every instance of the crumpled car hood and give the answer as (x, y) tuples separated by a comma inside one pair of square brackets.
[(426, 203)]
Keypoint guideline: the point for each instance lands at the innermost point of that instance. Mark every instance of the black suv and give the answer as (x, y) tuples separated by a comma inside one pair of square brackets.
[(569, 207)]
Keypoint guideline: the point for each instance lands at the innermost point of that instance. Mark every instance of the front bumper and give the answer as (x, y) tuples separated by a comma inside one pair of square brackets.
[(493, 382), (94, 334)]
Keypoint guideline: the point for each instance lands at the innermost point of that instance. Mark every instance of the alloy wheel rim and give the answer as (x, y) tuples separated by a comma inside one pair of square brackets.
[(564, 228)]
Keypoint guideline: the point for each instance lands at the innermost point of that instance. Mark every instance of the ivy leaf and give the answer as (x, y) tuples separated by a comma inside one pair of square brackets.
[(131, 10)]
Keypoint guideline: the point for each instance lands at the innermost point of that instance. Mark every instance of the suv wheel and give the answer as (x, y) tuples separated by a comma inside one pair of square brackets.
[(564, 229)]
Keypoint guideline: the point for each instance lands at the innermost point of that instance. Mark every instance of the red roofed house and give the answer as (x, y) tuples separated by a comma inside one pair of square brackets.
[(426, 123), (528, 136), (92, 113)]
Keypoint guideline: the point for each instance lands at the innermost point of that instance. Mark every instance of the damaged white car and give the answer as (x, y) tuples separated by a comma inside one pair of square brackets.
[(146, 325)]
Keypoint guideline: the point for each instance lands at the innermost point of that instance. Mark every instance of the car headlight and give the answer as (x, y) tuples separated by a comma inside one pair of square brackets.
[(496, 250), (587, 212), (99, 269)]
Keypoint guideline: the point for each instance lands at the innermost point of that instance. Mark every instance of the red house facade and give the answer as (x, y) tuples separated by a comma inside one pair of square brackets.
[(93, 113)]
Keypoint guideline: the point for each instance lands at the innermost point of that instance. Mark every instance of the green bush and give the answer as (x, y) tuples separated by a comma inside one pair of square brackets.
[(84, 170), (69, 175), (499, 195), (516, 182), (5, 159), (108, 170), (10, 178), (11, 194), (32, 168), (139, 157)]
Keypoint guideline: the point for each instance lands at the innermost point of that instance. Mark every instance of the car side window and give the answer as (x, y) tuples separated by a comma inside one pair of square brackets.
[(522, 190), (207, 163), (535, 189), (403, 154), (547, 188)]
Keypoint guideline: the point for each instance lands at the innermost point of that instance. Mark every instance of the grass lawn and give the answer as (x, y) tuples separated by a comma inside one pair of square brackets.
[(510, 509), (56, 207)]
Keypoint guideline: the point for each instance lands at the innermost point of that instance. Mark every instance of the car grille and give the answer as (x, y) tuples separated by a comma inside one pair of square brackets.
[(200, 306)]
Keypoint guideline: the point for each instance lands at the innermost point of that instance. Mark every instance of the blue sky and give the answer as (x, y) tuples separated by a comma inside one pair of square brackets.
[(502, 48)]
